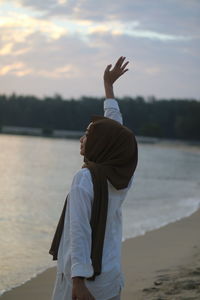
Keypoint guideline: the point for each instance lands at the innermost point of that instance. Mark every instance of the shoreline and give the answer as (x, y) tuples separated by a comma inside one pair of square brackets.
[(75, 134), (163, 263)]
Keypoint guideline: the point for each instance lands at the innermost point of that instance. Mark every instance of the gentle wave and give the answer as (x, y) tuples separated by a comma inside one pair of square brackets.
[(193, 209), (142, 231), (28, 279)]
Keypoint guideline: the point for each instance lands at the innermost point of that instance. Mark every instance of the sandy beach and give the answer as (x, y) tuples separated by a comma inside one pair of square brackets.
[(160, 265)]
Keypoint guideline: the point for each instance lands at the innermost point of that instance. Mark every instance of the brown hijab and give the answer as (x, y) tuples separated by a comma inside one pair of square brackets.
[(110, 154)]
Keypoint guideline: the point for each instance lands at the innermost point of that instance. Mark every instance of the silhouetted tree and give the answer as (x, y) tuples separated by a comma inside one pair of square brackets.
[(172, 118)]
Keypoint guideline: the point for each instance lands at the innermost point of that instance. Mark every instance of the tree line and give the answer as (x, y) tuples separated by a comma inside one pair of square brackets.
[(168, 118)]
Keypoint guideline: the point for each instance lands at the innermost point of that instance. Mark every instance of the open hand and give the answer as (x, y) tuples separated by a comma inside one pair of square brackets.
[(110, 76)]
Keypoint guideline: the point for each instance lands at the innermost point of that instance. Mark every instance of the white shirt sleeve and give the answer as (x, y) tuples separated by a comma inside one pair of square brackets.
[(112, 111), (80, 231)]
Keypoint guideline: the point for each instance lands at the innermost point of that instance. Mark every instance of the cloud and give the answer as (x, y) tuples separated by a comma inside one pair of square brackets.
[(152, 70), (18, 69), (21, 69), (131, 29), (6, 49), (63, 46), (176, 17), (62, 2), (66, 71), (17, 27), (12, 49)]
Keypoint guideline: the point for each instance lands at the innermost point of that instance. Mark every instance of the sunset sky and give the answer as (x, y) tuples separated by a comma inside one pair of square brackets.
[(63, 46)]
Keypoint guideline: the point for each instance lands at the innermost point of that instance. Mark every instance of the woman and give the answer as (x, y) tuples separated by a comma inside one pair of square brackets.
[(87, 242)]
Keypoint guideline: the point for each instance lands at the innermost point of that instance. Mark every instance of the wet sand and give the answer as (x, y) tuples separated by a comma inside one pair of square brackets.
[(160, 265)]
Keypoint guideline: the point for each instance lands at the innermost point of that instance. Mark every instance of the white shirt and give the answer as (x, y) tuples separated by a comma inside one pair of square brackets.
[(75, 245)]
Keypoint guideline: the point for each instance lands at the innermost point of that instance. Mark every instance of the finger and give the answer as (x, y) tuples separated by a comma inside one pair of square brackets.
[(124, 66), (124, 71), (118, 63), (122, 61), (108, 68)]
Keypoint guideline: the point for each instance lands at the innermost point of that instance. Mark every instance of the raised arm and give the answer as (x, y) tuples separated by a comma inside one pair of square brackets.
[(111, 108)]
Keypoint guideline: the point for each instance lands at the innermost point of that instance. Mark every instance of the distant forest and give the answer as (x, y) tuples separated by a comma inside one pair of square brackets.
[(168, 118)]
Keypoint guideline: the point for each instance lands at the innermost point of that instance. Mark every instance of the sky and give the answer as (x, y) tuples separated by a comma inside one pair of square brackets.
[(63, 46)]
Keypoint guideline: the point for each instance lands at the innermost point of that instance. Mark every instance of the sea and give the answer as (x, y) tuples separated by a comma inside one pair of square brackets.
[(35, 177)]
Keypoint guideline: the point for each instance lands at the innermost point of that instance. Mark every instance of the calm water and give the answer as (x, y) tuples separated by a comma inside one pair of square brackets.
[(36, 174)]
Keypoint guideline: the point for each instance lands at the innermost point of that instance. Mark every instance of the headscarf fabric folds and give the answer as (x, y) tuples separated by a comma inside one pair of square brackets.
[(111, 154), (58, 233)]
